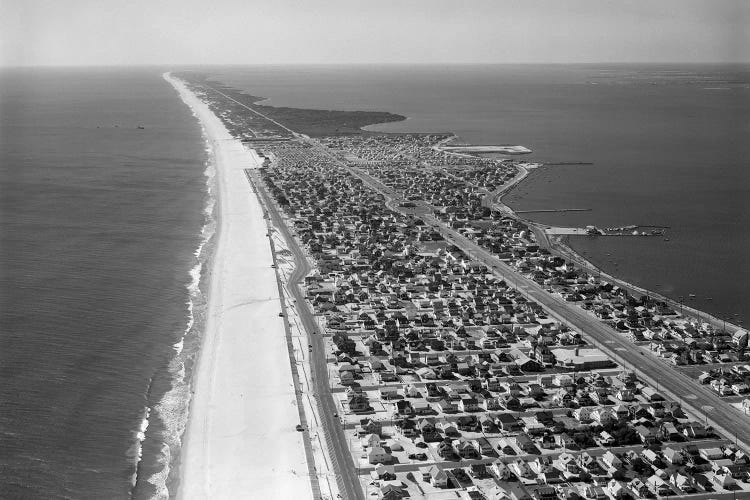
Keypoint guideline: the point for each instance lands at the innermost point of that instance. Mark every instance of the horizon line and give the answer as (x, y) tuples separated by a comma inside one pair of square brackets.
[(323, 64)]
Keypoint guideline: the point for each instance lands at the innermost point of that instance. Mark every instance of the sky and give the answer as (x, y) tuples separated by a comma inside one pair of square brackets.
[(136, 32)]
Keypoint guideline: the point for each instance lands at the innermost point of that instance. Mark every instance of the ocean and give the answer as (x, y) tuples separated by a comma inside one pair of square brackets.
[(100, 228), (668, 146)]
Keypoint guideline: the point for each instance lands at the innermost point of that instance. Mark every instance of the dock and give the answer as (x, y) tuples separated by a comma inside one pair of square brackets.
[(553, 210), (563, 163)]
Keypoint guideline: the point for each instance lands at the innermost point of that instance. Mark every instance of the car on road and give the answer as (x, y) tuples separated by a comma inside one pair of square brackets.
[(418, 456), (421, 444)]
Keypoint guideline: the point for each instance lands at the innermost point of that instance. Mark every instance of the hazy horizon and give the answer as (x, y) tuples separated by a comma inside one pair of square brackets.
[(80, 33)]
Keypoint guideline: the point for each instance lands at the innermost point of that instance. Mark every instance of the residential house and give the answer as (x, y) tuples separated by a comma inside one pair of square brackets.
[(711, 453), (377, 455), (647, 435), (525, 444), (465, 449), (683, 482), (435, 476), (639, 488), (500, 470), (674, 457), (723, 479), (658, 486), (611, 460), (468, 403), (545, 493), (521, 469), (617, 490), (694, 430), (392, 492), (507, 422)]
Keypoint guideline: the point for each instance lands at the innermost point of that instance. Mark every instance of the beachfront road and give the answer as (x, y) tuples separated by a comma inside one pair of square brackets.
[(702, 402), (346, 473)]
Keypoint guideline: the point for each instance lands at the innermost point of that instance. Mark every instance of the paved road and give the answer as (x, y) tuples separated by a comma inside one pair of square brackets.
[(294, 134), (312, 471), (346, 473), (697, 398)]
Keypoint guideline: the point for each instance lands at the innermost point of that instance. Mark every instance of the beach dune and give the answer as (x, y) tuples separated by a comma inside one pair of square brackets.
[(241, 440)]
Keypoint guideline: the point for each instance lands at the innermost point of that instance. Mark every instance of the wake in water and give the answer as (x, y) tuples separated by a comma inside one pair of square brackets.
[(154, 479)]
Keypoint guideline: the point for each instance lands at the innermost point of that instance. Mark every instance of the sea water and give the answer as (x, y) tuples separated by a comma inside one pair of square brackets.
[(105, 212)]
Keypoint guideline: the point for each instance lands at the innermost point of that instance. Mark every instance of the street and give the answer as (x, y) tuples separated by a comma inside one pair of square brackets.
[(346, 473)]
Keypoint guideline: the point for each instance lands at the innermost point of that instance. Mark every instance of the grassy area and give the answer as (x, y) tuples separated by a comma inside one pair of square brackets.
[(318, 123), (312, 122)]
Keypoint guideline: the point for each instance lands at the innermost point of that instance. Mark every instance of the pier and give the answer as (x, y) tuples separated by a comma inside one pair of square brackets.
[(563, 163), (541, 210)]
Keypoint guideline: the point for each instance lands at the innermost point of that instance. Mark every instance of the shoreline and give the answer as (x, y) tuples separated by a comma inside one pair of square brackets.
[(704, 316), (235, 413), (557, 245)]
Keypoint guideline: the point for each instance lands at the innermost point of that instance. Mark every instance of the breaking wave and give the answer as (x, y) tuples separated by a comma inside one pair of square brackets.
[(155, 480)]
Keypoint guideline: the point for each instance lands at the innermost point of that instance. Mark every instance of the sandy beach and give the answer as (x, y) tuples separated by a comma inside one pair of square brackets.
[(241, 440)]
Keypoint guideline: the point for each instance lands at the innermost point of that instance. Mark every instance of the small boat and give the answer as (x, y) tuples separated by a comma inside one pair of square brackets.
[(692, 295), (666, 239), (141, 127)]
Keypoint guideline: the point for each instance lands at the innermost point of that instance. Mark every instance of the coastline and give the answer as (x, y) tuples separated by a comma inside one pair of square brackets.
[(240, 438), (558, 245), (495, 198)]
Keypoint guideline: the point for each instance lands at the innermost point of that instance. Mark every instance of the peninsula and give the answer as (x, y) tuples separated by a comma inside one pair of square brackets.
[(442, 348)]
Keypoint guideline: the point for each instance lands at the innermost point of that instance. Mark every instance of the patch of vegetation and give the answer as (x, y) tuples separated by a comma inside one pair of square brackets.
[(312, 122)]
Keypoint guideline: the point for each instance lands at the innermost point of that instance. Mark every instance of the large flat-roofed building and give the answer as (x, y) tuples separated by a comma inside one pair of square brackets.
[(582, 359)]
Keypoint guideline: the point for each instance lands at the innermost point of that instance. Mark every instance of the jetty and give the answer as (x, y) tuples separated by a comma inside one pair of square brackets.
[(541, 210), (564, 163), (503, 149)]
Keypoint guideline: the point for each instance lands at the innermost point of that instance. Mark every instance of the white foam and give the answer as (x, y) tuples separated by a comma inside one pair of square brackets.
[(172, 409), (178, 347), (136, 449), (141, 435), (221, 458)]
